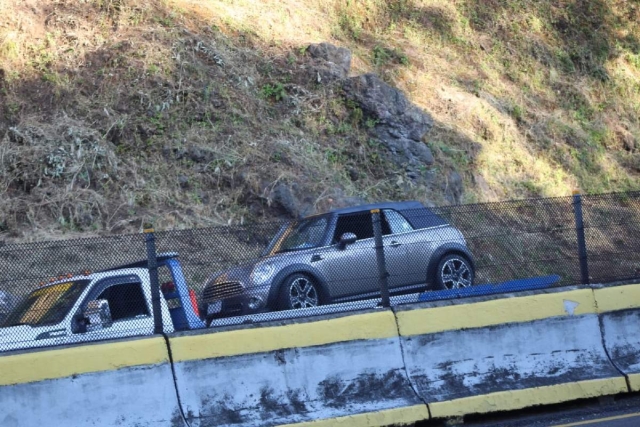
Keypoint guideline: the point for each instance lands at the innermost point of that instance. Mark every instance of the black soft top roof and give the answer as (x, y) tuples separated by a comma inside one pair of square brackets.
[(415, 212)]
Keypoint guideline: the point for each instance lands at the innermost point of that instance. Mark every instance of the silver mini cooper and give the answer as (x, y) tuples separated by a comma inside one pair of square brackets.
[(331, 257)]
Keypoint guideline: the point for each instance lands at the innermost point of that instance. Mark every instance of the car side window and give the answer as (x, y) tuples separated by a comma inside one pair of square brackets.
[(359, 224), (126, 301), (397, 223)]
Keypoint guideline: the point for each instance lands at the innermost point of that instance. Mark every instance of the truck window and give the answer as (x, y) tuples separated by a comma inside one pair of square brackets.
[(126, 301), (47, 305)]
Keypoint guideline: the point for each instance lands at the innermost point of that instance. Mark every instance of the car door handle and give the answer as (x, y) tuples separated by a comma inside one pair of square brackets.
[(394, 244), (316, 257)]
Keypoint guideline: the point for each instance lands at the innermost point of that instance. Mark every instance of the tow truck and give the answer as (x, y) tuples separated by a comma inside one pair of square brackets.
[(113, 303)]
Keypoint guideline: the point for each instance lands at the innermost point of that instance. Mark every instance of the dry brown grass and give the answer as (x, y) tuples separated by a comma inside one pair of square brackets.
[(530, 98)]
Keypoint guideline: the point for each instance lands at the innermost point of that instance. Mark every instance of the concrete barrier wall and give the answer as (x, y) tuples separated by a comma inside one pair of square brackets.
[(120, 383), (374, 368), (619, 308), (494, 354), (345, 369)]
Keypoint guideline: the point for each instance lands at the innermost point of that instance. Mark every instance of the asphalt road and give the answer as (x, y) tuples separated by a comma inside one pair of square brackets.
[(626, 420), (623, 411)]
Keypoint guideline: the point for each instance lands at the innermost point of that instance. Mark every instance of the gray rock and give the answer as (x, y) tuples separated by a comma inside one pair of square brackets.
[(354, 174), (292, 200), (400, 125), (298, 202), (183, 180), (332, 62), (335, 199), (198, 155), (283, 196), (454, 188)]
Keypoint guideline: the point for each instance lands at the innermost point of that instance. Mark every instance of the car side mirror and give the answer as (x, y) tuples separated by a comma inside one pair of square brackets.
[(347, 239), (97, 315)]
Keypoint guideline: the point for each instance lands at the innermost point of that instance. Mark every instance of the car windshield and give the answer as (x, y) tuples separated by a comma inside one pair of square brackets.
[(303, 234), (48, 305)]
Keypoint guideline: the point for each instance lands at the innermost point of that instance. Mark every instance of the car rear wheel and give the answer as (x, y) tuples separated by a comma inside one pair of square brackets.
[(454, 272), (299, 291)]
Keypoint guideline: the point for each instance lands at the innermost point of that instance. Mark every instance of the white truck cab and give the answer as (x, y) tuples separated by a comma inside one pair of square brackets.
[(98, 306)]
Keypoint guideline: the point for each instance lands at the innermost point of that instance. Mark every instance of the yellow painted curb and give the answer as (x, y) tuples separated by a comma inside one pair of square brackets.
[(65, 362), (257, 340), (617, 298), (495, 312), (634, 382), (518, 399), (397, 416)]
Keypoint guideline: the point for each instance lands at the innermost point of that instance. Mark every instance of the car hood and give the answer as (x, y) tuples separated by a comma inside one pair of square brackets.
[(238, 273), (242, 273)]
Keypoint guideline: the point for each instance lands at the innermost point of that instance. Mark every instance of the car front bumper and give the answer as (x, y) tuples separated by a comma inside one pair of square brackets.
[(252, 301)]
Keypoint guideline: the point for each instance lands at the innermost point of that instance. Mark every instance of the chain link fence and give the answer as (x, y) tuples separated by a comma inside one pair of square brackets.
[(61, 292)]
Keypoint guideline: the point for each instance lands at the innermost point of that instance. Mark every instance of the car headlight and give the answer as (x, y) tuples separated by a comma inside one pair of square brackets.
[(262, 273)]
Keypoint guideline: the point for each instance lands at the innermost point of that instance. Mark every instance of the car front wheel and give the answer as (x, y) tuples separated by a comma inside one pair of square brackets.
[(454, 272), (299, 291)]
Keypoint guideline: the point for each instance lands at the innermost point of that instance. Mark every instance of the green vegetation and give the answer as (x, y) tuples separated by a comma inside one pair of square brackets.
[(273, 91)]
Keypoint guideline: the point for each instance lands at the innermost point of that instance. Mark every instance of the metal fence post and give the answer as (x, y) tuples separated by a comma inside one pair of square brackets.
[(382, 266), (582, 244), (152, 266)]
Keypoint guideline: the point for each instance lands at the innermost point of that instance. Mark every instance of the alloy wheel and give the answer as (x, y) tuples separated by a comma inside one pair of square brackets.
[(303, 293), (456, 274)]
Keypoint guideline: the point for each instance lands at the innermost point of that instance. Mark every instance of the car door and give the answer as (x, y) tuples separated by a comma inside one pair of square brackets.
[(353, 270), (396, 241), (419, 245)]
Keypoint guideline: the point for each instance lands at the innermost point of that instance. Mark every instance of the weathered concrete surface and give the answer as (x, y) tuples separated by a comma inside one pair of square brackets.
[(619, 309), (294, 385), (292, 372), (120, 383), (621, 332), (480, 354), (543, 341)]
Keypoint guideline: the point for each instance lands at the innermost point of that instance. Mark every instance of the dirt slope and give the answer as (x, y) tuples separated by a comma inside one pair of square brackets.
[(191, 113)]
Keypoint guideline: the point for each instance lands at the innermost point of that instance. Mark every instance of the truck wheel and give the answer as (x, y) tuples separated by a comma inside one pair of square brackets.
[(299, 291), (454, 272)]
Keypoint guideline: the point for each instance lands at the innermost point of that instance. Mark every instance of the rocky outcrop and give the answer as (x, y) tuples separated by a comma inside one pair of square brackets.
[(453, 188), (399, 124), (331, 62), (298, 203)]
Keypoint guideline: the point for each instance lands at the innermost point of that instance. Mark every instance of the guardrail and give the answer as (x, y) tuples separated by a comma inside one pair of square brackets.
[(372, 368)]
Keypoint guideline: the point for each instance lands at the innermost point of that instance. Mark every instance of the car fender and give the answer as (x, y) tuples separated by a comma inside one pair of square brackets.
[(445, 249), (276, 282)]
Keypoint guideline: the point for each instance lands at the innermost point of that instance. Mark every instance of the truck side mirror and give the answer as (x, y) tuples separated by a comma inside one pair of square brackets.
[(97, 315), (346, 239)]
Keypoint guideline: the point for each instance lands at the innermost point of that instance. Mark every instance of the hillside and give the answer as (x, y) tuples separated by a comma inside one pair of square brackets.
[(193, 113)]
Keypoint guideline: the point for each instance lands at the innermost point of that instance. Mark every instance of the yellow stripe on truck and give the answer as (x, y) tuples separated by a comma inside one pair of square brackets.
[(495, 312), (518, 399), (257, 340), (396, 416), (617, 298), (65, 362)]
